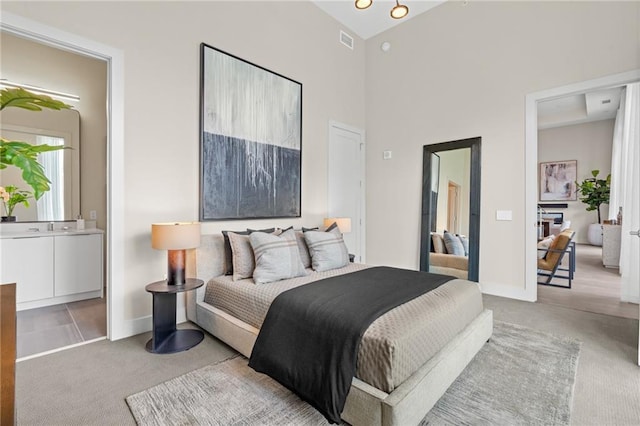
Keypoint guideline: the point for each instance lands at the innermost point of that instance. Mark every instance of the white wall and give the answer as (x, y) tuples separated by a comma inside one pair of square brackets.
[(589, 144), (161, 45), (463, 71)]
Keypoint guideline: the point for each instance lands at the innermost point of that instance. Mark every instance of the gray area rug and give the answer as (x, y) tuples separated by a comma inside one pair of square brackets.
[(521, 377)]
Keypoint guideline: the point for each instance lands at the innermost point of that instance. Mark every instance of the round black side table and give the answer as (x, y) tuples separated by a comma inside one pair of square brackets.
[(166, 338)]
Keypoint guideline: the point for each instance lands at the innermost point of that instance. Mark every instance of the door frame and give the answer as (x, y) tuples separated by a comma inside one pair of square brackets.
[(51, 36), (363, 187), (531, 164)]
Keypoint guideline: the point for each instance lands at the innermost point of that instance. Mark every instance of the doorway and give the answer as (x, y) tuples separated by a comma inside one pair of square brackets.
[(78, 180), (531, 162), (346, 186), (117, 327), (453, 207)]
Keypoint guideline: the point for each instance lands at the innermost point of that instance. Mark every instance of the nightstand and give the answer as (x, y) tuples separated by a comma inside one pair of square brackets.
[(166, 338)]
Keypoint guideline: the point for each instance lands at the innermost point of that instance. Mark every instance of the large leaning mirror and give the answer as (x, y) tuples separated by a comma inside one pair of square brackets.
[(450, 226), (62, 167)]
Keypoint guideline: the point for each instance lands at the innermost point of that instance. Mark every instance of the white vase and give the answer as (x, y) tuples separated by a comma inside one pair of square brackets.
[(594, 235)]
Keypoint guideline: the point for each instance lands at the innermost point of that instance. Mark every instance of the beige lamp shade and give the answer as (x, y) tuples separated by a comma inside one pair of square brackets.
[(344, 223), (175, 235)]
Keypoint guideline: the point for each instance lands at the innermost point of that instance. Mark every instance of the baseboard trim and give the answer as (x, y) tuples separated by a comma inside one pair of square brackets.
[(502, 290), (145, 324)]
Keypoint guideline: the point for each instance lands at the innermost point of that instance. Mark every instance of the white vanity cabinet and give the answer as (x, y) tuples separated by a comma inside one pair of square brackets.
[(78, 264), (53, 268), (28, 260)]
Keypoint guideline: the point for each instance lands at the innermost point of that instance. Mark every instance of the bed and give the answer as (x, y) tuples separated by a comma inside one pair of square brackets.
[(399, 388)]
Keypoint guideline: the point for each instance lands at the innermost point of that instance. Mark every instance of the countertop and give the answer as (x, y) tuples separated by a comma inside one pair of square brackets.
[(32, 233)]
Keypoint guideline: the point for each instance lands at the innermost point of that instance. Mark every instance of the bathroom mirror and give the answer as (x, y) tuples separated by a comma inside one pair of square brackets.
[(451, 202), (62, 167)]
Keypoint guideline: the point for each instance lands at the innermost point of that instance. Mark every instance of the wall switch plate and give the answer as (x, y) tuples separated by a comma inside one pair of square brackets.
[(386, 155), (504, 215), (93, 215)]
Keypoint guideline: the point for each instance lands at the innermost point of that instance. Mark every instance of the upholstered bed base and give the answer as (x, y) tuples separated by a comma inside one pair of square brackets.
[(366, 405)]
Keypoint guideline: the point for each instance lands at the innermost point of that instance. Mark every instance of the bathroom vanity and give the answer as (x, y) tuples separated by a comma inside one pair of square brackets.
[(51, 267)]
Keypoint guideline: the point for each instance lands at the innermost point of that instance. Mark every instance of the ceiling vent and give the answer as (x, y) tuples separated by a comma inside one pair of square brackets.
[(606, 101), (346, 39)]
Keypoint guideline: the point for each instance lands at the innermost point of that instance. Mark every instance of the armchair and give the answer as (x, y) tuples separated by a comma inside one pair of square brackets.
[(550, 267)]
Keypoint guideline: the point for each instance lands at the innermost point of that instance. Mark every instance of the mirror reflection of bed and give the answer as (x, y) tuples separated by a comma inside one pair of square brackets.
[(450, 214)]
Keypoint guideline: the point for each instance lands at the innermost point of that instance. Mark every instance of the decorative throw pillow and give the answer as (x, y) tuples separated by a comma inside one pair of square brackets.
[(309, 229), (438, 243), (305, 256), (327, 249), (465, 243), (453, 244), (228, 270), (277, 257), (228, 255), (544, 245), (242, 256)]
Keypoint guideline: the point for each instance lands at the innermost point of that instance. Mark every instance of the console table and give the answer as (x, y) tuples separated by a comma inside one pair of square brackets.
[(166, 338), (611, 240)]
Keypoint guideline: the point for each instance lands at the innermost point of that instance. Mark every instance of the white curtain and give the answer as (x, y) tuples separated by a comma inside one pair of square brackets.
[(617, 181), (625, 189), (51, 204)]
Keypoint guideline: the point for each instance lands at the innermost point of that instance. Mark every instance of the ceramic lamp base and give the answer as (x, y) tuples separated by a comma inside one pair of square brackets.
[(176, 273)]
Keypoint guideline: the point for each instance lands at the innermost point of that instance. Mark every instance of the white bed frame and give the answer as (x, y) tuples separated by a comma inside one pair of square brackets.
[(365, 405)]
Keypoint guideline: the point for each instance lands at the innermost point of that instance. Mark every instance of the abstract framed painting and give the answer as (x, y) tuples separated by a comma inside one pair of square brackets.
[(250, 140), (558, 181)]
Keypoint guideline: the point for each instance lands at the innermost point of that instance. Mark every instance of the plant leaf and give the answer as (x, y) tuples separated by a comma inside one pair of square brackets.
[(21, 98)]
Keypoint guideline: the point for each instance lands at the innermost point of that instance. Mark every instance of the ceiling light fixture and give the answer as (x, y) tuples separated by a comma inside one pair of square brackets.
[(399, 11), (363, 4)]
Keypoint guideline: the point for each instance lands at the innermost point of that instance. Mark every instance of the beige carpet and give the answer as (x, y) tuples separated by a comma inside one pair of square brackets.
[(88, 385), (520, 377)]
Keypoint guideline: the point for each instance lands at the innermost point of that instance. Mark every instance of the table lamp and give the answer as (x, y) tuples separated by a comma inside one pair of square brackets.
[(344, 223), (175, 237)]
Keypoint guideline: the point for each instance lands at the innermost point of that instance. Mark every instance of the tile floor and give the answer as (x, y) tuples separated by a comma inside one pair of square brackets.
[(52, 327)]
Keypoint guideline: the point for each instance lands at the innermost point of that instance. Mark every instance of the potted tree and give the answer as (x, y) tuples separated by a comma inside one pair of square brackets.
[(595, 192)]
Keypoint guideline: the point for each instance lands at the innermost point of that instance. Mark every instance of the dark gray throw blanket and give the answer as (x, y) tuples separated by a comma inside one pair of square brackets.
[(310, 338)]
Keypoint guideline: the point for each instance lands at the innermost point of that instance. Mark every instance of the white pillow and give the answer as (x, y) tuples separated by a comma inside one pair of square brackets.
[(327, 249), (277, 257), (544, 245)]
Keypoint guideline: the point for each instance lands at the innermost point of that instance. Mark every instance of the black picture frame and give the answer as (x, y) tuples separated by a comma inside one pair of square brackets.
[(250, 140)]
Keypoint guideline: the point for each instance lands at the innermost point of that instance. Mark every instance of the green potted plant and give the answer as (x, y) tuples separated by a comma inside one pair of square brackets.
[(22, 154), (594, 193), (11, 196)]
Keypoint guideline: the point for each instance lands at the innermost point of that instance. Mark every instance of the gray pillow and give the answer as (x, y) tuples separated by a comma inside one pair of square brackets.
[(453, 244), (465, 243), (305, 256), (242, 255), (327, 249), (277, 257)]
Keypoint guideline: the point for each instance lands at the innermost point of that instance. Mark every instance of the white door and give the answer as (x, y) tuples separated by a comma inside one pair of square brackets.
[(346, 183)]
